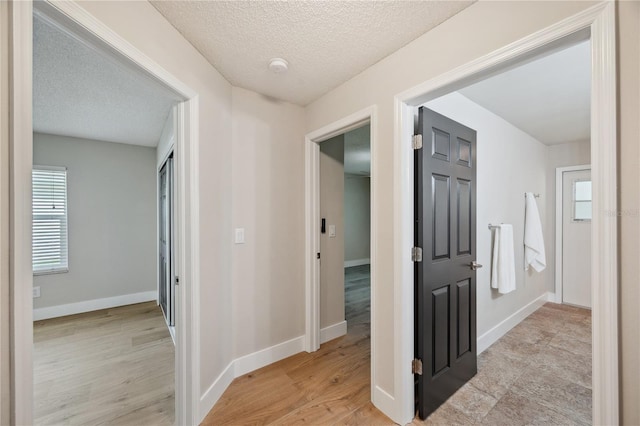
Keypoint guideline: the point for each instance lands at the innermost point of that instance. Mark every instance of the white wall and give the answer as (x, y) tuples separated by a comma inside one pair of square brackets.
[(268, 180), (466, 36), (509, 163), (111, 192), (357, 219), (568, 154), (145, 28)]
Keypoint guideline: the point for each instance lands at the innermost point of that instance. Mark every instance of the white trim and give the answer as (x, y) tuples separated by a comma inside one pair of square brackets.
[(20, 165), (604, 223), (187, 314), (492, 336), (312, 227), (215, 391), (356, 262), (261, 358), (334, 331), (559, 226), (598, 22), (92, 305), (384, 401)]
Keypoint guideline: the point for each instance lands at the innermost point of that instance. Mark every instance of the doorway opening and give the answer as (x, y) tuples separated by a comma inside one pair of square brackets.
[(345, 239), (355, 288), (98, 135), (596, 24), (83, 28)]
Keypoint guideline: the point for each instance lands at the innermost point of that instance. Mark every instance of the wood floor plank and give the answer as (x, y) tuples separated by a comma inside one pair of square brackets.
[(114, 366)]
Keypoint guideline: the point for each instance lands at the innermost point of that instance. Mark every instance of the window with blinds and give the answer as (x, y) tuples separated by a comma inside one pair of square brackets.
[(50, 240)]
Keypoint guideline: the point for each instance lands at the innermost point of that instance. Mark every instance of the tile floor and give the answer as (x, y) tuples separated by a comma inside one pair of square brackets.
[(538, 373)]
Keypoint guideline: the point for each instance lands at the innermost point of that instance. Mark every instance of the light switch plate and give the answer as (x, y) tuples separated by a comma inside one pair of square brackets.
[(36, 292), (332, 231), (239, 236)]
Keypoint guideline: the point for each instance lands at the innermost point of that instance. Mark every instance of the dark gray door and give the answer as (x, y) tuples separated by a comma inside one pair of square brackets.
[(445, 279)]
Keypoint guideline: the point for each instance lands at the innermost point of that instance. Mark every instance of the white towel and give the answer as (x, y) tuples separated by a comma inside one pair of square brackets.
[(503, 267), (533, 239)]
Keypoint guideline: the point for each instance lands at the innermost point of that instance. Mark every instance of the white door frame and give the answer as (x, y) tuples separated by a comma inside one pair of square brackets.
[(598, 23), (187, 386), (312, 223), (560, 225)]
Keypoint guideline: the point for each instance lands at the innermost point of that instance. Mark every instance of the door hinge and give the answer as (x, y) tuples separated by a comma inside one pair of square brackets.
[(416, 254), (416, 367), (416, 142)]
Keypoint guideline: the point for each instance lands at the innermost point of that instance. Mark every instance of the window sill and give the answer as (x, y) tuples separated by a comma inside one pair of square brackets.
[(51, 272)]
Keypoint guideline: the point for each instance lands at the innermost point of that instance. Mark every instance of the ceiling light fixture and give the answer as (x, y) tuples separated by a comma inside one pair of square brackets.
[(278, 65)]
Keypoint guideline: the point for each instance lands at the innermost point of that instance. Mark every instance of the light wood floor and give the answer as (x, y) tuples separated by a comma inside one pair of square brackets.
[(114, 366), (330, 386), (538, 373)]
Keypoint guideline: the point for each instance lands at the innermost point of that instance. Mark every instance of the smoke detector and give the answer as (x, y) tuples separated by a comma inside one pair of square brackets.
[(278, 65)]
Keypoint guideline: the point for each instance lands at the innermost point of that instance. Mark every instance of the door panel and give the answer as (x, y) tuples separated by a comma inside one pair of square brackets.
[(445, 285)]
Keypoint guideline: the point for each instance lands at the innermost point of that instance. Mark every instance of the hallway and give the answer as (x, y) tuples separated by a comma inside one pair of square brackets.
[(538, 373)]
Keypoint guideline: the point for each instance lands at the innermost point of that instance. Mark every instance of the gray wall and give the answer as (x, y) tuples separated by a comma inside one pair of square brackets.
[(111, 191), (332, 248), (357, 218)]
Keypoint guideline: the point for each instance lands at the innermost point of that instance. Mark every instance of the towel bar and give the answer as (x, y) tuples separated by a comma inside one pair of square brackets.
[(535, 195)]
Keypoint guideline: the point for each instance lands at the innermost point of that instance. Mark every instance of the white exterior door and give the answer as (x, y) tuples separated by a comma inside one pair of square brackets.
[(576, 238)]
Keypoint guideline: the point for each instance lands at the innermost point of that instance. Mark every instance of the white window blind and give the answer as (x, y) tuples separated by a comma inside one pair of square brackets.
[(50, 239)]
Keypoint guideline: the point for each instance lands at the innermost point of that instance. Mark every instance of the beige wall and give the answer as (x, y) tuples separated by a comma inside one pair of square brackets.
[(567, 154), (459, 40), (629, 128), (159, 40), (112, 199), (268, 181), (332, 248)]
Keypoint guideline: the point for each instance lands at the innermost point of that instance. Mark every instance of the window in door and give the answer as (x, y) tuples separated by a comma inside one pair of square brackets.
[(49, 226), (582, 201)]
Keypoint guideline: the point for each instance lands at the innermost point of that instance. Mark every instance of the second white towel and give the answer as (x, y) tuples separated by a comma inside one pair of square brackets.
[(503, 268)]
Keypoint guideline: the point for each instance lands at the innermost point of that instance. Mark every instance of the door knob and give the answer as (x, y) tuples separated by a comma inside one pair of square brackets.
[(475, 265)]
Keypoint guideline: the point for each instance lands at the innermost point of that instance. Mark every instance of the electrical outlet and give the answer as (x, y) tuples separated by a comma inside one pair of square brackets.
[(36, 292)]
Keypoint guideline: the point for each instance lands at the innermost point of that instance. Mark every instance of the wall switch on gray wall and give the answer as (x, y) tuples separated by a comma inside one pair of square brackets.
[(36, 292)]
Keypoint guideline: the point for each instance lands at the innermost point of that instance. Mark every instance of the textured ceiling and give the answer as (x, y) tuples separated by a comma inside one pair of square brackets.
[(548, 98), (79, 92), (357, 151), (325, 42)]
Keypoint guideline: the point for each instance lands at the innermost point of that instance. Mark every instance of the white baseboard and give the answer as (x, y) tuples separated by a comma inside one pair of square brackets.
[(244, 365), (248, 363), (384, 402), (356, 262), (492, 336), (215, 391), (93, 305), (333, 332)]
